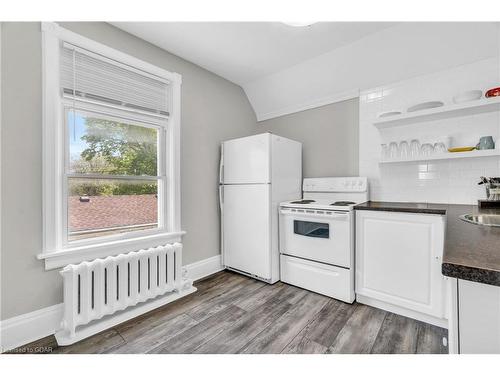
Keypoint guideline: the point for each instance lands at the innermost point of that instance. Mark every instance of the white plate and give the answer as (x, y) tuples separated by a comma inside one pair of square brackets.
[(467, 96), (388, 114), (426, 105)]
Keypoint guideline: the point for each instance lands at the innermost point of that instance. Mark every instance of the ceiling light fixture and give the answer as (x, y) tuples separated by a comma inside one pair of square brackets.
[(299, 24)]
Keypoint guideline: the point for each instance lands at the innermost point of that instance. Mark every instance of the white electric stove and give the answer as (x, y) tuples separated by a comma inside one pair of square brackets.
[(317, 236)]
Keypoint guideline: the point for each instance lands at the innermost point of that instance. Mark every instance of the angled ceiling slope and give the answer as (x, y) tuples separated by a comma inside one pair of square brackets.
[(242, 52), (285, 69)]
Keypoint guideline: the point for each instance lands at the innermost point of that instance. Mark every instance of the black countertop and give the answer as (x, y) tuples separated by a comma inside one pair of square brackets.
[(417, 208), (471, 252)]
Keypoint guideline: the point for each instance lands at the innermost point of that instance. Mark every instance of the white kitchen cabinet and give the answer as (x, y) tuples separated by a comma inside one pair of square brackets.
[(478, 318), (398, 263)]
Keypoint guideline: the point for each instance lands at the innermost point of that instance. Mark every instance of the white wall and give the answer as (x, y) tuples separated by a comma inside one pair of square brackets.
[(213, 110), (441, 181), (329, 137), (397, 53)]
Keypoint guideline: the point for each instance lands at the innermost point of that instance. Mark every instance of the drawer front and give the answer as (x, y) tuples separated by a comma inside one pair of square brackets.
[(321, 278)]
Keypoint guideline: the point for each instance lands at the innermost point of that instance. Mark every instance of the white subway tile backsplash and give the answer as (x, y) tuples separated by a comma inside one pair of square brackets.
[(427, 176), (449, 182), (490, 172), (440, 181)]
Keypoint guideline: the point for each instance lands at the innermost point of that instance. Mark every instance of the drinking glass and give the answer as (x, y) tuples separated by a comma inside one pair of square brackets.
[(384, 151), (404, 150), (427, 149), (439, 148), (393, 151), (414, 148)]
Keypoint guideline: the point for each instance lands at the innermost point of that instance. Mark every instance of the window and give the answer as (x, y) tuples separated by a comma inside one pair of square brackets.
[(111, 150), (112, 177)]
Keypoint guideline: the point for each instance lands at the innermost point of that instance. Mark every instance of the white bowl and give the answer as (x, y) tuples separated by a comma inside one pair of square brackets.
[(467, 96), (426, 105), (388, 114)]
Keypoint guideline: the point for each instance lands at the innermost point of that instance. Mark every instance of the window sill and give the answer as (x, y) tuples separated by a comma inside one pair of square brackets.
[(63, 257)]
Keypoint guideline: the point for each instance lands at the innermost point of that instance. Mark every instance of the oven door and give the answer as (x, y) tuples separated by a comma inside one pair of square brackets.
[(323, 236)]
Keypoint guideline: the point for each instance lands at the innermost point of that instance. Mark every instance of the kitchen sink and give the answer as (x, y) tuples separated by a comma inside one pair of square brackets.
[(488, 220)]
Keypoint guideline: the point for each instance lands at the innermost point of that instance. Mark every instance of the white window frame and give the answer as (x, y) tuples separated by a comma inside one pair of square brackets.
[(56, 251)]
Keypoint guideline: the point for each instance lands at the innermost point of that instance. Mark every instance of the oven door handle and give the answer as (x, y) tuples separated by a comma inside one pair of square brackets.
[(313, 213)]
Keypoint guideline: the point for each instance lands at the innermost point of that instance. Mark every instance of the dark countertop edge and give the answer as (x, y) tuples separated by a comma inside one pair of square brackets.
[(390, 208), (401, 209), (478, 275)]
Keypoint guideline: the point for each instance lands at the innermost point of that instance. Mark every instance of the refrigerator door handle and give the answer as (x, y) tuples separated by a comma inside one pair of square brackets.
[(221, 165), (221, 201), (221, 196)]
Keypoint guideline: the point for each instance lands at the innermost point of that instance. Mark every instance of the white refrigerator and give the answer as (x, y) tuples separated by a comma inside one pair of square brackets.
[(256, 174)]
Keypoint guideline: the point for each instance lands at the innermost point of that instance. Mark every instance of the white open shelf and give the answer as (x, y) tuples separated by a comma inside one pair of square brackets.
[(447, 111), (447, 155)]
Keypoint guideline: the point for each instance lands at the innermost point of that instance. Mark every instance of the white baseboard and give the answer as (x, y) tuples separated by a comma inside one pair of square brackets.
[(26, 328), (204, 268), (443, 323)]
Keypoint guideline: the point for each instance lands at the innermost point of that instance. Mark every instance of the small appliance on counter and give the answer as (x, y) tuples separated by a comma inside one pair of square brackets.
[(492, 185), (317, 236)]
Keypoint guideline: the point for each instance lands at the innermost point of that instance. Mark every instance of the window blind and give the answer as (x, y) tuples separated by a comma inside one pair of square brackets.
[(88, 76)]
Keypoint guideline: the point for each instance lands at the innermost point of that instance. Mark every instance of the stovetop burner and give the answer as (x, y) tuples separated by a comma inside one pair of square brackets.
[(304, 201), (342, 203)]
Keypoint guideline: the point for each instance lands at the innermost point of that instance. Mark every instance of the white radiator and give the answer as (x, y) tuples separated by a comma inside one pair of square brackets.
[(107, 287)]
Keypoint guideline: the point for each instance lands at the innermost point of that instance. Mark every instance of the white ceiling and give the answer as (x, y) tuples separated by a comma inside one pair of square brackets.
[(396, 53), (243, 52)]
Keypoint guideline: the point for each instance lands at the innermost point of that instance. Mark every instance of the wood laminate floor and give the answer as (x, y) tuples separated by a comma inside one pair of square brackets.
[(231, 313)]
